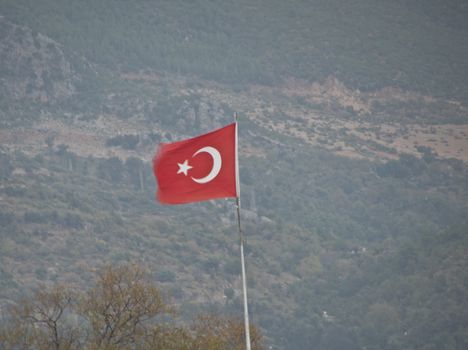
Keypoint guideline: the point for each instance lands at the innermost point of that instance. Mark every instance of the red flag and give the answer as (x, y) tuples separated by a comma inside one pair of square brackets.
[(198, 169)]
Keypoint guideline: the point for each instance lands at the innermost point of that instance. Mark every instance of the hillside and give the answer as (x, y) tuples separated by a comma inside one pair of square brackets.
[(355, 196), (368, 45)]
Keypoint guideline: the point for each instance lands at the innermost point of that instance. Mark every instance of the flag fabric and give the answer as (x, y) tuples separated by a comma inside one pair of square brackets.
[(198, 169)]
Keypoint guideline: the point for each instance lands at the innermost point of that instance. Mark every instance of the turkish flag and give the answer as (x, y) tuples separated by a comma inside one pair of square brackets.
[(198, 169)]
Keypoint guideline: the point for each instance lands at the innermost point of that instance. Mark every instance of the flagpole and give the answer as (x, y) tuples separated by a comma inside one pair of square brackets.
[(241, 237)]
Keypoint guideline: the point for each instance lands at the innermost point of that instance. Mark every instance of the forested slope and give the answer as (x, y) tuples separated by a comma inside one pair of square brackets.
[(366, 44), (354, 194), (323, 235)]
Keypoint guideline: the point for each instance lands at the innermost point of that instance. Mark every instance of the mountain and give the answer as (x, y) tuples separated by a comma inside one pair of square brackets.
[(367, 45), (353, 177)]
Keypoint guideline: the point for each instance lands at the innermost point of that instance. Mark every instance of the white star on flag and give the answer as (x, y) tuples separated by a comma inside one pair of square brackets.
[(184, 167)]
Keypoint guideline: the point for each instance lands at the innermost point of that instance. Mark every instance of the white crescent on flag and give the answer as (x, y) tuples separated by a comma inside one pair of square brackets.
[(217, 162)]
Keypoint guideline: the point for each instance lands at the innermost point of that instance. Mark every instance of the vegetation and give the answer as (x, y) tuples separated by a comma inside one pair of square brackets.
[(419, 46), (123, 310), (345, 250), (340, 239)]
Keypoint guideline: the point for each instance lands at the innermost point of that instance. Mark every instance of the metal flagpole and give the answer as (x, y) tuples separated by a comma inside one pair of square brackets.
[(241, 237)]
